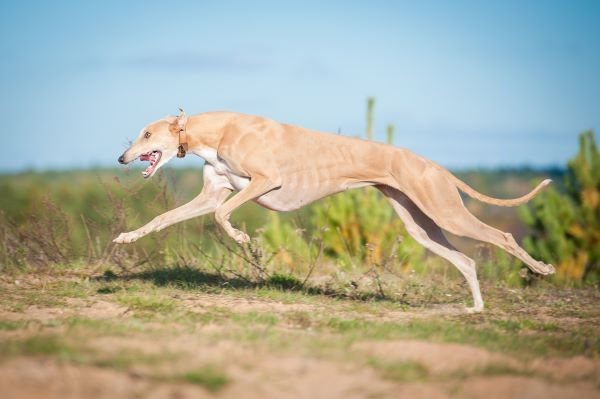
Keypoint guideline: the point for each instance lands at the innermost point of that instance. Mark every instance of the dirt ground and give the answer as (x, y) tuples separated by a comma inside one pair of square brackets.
[(82, 336)]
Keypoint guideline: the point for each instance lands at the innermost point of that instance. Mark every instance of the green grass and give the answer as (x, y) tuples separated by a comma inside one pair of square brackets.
[(12, 325), (524, 324), (400, 371), (209, 377), (412, 371), (40, 345), (496, 369), (254, 318), (284, 281), (108, 290), (147, 303), (300, 319), (79, 289), (118, 327), (124, 359)]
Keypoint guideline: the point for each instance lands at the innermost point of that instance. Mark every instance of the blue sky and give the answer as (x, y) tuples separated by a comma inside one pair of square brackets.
[(467, 84)]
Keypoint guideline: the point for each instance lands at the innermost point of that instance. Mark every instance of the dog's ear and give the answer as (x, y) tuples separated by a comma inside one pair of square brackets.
[(180, 122), (181, 119)]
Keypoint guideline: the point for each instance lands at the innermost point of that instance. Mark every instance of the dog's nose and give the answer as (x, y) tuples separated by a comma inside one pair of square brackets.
[(121, 159)]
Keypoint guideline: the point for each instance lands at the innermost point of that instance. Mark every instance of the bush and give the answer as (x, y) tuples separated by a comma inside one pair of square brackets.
[(362, 225)]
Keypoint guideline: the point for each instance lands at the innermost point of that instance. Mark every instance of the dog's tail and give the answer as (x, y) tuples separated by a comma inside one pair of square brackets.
[(464, 187)]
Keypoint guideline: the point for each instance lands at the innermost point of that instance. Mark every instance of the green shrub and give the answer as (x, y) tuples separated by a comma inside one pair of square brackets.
[(362, 224)]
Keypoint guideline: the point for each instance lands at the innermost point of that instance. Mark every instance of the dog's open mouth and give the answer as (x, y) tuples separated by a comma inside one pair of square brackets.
[(152, 157)]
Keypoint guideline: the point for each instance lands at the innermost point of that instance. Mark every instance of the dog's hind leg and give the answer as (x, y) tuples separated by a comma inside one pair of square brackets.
[(427, 233), (439, 199), (469, 226)]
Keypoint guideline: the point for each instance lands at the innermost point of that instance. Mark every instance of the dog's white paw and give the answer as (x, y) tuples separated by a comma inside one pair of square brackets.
[(474, 309), (240, 237), (125, 238), (545, 269)]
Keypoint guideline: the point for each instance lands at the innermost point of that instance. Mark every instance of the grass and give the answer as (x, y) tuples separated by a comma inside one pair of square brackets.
[(255, 318), (402, 371), (112, 327), (412, 371), (209, 377), (496, 369), (42, 345), (284, 281), (12, 325), (524, 324), (147, 303), (126, 359)]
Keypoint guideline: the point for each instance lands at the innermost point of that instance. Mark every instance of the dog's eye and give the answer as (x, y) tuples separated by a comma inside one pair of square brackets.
[(147, 135)]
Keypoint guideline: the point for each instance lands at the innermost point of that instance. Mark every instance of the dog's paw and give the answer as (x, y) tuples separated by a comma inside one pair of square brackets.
[(240, 237), (126, 238), (474, 309), (546, 269)]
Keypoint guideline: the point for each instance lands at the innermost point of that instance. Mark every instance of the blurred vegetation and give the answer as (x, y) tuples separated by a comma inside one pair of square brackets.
[(566, 225)]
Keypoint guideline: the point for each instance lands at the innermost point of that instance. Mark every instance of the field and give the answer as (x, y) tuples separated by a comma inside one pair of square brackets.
[(181, 314), (182, 332)]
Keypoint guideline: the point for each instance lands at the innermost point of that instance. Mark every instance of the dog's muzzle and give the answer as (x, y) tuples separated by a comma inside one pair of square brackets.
[(121, 159)]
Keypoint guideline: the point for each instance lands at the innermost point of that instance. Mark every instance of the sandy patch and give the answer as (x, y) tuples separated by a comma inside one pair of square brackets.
[(204, 302), (437, 358), (577, 367), (45, 379), (514, 387)]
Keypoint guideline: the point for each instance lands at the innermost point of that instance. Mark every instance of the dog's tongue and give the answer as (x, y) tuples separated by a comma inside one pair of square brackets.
[(152, 157)]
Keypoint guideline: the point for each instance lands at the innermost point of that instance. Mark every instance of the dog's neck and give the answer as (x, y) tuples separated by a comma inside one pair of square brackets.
[(202, 136)]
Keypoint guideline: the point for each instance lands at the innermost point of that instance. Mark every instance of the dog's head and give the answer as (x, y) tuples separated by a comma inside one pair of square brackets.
[(157, 143)]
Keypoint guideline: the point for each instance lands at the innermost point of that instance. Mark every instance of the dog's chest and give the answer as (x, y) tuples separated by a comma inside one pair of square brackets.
[(222, 169)]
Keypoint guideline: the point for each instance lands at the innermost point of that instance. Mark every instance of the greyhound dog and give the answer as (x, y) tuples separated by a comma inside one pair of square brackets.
[(284, 167)]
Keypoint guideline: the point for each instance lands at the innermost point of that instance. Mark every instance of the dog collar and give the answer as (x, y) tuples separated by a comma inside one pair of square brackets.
[(183, 142)]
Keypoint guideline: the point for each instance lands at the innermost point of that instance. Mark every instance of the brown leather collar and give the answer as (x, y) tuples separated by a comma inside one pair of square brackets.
[(183, 143)]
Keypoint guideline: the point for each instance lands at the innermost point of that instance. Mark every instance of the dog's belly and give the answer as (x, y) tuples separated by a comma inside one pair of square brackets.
[(277, 202), (290, 196)]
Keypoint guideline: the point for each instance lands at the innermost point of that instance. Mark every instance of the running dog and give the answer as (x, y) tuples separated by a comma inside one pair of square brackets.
[(284, 167)]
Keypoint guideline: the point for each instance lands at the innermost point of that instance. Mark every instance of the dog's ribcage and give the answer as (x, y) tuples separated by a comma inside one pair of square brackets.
[(298, 188)]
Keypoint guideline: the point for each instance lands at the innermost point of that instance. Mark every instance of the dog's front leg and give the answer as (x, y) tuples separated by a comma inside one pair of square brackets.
[(259, 185), (207, 201)]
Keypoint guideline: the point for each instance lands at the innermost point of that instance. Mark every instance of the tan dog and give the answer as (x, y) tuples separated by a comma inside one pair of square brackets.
[(284, 167)]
